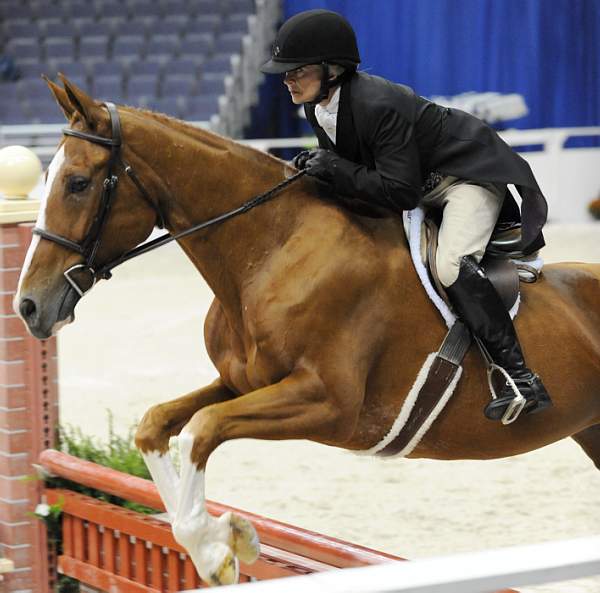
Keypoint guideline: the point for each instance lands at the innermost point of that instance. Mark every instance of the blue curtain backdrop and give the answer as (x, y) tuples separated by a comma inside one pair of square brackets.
[(546, 50)]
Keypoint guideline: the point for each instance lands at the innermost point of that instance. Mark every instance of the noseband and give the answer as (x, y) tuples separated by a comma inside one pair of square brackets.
[(88, 248)]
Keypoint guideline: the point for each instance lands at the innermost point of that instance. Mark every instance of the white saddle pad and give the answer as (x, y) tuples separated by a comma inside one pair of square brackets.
[(413, 227)]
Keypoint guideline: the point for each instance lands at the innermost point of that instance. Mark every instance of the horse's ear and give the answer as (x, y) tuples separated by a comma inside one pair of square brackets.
[(90, 110), (61, 97)]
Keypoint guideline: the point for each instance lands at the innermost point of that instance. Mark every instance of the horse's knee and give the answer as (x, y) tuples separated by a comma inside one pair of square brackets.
[(151, 432), (203, 428), (447, 263)]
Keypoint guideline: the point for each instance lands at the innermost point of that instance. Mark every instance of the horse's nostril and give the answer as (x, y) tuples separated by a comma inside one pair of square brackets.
[(27, 308)]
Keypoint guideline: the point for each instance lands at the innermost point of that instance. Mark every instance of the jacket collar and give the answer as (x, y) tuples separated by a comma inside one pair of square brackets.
[(347, 145), (346, 137), (322, 137)]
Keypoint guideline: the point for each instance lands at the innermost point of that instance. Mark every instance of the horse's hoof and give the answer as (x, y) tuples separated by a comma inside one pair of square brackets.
[(224, 566), (243, 539)]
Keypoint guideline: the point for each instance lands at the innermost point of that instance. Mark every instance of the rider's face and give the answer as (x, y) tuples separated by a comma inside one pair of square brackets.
[(303, 83)]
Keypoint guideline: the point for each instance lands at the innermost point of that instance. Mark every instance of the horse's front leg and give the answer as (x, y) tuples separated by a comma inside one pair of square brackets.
[(298, 407), (165, 420), (216, 541), (213, 544)]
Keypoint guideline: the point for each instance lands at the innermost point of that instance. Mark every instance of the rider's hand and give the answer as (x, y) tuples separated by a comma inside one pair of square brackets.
[(299, 161), (320, 163)]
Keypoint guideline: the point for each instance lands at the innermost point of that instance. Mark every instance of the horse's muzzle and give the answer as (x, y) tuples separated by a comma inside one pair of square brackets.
[(45, 320), (30, 314)]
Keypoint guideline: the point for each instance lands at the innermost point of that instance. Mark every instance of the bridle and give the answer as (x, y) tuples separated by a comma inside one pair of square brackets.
[(88, 248)]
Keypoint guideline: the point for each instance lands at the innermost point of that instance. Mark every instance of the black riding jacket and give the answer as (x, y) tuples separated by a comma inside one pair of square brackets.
[(390, 139)]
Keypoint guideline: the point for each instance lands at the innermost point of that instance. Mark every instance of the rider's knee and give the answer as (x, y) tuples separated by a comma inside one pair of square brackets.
[(448, 265)]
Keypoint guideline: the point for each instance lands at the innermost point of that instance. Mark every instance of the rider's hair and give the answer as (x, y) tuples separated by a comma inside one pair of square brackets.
[(336, 70)]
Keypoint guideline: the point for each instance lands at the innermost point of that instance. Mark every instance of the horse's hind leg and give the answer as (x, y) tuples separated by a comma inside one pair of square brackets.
[(589, 441)]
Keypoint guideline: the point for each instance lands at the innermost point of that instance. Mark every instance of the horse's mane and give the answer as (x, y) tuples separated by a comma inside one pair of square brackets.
[(369, 214), (206, 137)]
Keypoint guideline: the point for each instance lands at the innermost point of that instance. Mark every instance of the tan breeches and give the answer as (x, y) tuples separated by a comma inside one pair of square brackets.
[(470, 215)]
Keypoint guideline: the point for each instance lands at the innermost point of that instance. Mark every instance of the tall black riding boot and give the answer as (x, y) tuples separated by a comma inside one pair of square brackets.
[(479, 305)]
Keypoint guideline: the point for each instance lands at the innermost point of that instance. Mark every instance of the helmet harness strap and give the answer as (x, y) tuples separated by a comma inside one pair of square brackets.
[(326, 84)]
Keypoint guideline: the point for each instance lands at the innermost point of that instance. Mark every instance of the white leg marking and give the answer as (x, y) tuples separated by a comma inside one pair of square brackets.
[(204, 537), (212, 544), (53, 169), (165, 477)]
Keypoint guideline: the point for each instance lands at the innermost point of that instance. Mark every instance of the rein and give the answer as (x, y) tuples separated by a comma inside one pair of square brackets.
[(104, 272), (88, 248)]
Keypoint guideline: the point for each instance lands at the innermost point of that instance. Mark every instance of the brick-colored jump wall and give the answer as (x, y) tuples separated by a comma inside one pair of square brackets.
[(28, 420)]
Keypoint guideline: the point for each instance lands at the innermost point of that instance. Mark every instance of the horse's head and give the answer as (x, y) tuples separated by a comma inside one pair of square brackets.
[(86, 218)]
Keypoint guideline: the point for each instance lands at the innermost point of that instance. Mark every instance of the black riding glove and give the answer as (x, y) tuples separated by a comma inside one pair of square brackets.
[(299, 161), (321, 163), (350, 181)]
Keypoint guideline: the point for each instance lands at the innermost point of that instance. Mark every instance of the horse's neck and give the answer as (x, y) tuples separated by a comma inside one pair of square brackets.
[(205, 176)]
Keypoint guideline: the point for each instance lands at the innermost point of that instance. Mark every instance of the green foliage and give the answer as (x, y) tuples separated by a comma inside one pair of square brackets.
[(67, 584), (118, 453)]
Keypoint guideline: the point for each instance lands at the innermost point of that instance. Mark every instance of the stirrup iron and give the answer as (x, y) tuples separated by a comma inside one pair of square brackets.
[(516, 406)]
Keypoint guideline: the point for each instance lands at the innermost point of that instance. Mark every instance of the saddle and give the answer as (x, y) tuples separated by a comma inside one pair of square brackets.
[(503, 262)]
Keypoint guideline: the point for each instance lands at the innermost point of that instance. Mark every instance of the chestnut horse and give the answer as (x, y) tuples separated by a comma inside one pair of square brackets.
[(319, 325)]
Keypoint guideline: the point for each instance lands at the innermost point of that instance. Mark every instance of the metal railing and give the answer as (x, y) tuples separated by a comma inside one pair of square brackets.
[(478, 572), (43, 138), (568, 176)]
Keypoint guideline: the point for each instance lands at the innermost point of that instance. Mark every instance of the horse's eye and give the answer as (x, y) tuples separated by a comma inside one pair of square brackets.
[(78, 184)]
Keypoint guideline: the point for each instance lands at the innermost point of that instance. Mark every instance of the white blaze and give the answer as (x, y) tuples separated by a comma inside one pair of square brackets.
[(53, 170)]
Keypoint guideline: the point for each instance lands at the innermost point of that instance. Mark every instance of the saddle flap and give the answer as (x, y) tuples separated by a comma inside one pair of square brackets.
[(503, 274), (499, 268)]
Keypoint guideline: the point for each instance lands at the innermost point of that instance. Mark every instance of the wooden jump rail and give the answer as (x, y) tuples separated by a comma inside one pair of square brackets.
[(118, 550), (115, 549)]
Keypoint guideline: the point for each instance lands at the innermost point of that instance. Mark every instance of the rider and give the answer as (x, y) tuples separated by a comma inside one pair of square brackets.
[(381, 144)]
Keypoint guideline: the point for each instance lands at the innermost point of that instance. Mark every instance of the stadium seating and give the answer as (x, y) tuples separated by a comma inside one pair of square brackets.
[(195, 59)]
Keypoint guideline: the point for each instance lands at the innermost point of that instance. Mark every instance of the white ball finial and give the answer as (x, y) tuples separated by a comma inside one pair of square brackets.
[(20, 171)]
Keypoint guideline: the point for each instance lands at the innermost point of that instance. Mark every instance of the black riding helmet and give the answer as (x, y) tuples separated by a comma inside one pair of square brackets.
[(313, 37)]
